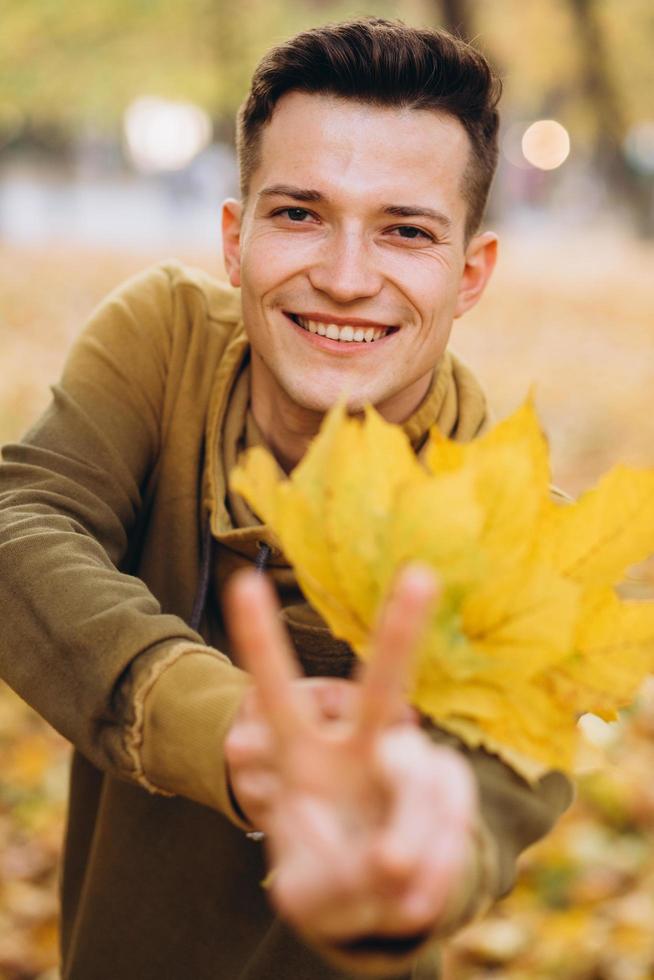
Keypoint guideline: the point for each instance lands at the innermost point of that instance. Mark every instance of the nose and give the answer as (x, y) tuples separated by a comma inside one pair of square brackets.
[(345, 269)]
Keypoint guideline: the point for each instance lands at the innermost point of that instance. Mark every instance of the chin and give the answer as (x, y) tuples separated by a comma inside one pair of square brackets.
[(321, 399)]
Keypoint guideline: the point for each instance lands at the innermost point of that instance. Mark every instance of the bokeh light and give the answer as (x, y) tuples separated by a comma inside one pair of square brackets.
[(546, 144), (162, 135)]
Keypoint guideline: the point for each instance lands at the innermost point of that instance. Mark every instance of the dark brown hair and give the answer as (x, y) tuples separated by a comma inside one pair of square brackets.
[(383, 63)]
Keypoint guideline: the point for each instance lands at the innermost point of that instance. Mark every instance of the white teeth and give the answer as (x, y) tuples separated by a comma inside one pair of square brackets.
[(345, 334)]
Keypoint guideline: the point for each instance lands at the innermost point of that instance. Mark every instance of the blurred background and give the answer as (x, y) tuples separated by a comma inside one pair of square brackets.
[(116, 148)]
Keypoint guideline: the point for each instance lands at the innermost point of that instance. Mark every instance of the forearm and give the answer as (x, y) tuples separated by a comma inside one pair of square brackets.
[(80, 640), (514, 813), (137, 691), (188, 710)]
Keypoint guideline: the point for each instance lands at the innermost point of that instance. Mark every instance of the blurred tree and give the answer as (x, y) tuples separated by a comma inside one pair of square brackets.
[(606, 104), (588, 64), (456, 16), (70, 66), (71, 62)]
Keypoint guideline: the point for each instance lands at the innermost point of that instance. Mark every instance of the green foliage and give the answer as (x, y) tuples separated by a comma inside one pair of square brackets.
[(75, 63), (72, 63), (537, 48)]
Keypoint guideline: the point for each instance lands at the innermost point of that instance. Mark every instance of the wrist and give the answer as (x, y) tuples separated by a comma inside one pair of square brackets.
[(238, 809), (373, 955), (474, 892)]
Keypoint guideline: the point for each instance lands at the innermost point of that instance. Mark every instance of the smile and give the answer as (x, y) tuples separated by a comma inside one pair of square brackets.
[(346, 332)]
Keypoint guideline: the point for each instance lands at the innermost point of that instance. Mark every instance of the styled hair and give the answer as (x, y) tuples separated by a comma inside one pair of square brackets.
[(382, 63)]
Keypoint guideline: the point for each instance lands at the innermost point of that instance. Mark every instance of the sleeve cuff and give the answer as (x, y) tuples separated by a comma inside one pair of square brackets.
[(187, 710)]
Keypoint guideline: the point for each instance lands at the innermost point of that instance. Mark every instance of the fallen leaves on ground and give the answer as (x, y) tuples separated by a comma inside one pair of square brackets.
[(584, 905), (33, 782)]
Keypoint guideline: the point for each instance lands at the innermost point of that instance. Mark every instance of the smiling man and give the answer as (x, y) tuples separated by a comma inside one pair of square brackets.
[(354, 247), (366, 152)]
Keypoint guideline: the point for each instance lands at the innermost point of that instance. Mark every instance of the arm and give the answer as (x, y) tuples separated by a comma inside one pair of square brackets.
[(374, 833), (82, 641)]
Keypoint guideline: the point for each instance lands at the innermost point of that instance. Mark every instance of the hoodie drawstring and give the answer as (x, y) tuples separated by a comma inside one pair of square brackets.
[(203, 585), (263, 555)]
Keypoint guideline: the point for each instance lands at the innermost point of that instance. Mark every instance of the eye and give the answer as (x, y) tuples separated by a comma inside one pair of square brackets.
[(298, 215), (412, 233)]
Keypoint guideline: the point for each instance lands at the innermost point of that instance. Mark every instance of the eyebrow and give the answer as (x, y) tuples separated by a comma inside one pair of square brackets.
[(287, 190), (397, 210), (418, 211)]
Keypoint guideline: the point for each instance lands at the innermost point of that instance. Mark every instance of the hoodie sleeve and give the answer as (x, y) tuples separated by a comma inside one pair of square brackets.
[(80, 640)]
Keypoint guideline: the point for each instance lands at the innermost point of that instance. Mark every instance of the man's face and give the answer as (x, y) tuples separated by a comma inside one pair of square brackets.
[(350, 252)]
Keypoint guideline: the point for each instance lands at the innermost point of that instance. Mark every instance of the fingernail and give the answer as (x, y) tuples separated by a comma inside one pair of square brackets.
[(420, 577)]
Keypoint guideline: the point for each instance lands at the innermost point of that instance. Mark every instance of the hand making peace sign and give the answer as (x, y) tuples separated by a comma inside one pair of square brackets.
[(369, 825)]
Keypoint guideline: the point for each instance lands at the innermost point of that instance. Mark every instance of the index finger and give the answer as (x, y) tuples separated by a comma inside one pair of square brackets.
[(252, 617), (402, 621)]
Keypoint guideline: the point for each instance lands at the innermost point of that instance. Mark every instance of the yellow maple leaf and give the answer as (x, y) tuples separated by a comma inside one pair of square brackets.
[(529, 633), (522, 619), (510, 467), (327, 515), (613, 652), (368, 468), (608, 529)]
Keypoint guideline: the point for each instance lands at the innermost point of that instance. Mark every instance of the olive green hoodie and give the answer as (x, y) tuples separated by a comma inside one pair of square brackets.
[(116, 530)]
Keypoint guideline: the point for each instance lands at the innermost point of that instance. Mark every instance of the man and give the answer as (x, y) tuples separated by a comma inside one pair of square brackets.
[(366, 153)]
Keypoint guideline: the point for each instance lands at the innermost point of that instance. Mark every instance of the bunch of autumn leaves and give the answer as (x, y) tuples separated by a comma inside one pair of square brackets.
[(529, 632)]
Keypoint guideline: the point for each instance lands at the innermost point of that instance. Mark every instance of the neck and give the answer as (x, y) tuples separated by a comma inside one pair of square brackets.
[(288, 428)]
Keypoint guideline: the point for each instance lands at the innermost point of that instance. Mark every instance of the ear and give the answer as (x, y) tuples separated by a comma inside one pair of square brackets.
[(480, 258), (231, 231)]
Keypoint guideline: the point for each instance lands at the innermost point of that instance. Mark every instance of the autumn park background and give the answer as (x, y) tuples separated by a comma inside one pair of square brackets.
[(116, 128)]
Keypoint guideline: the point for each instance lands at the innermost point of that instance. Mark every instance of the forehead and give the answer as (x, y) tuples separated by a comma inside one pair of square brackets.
[(355, 150)]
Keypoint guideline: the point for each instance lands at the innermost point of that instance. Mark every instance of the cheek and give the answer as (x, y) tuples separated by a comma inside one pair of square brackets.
[(434, 301), (256, 263), (267, 262), (425, 279)]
